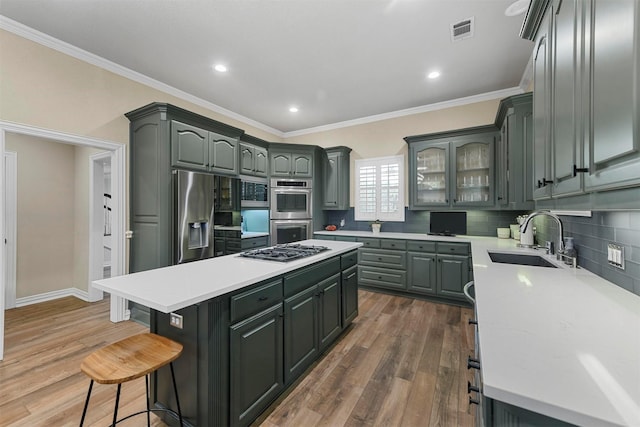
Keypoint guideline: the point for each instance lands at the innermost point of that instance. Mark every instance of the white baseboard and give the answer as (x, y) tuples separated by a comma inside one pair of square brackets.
[(50, 296)]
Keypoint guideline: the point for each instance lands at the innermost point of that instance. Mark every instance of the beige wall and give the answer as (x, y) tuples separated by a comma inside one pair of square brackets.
[(45, 88), (45, 215)]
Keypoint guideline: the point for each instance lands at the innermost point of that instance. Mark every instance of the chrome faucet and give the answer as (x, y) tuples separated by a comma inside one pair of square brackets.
[(525, 224)]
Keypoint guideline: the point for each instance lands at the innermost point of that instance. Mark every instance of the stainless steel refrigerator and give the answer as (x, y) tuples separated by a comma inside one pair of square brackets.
[(195, 216)]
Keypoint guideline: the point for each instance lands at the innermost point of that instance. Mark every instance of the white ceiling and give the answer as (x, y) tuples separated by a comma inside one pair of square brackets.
[(337, 60)]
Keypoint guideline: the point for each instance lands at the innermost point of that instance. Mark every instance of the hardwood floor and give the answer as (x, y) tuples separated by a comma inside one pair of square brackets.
[(402, 363)]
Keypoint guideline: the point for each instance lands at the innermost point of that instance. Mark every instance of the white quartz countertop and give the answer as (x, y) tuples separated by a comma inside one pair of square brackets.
[(171, 288), (403, 236), (561, 342)]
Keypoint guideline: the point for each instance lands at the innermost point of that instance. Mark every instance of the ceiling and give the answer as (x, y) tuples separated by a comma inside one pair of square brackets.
[(337, 60)]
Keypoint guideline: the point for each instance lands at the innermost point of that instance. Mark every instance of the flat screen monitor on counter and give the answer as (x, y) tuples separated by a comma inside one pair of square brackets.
[(448, 223)]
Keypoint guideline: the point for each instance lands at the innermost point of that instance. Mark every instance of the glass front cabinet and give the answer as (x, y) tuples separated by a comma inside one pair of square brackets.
[(453, 169)]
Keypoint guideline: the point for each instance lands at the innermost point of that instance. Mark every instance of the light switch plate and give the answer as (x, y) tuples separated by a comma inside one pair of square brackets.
[(615, 255), (175, 320)]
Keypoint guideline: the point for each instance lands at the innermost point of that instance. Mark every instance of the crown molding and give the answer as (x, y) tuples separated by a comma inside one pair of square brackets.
[(75, 52), (498, 94)]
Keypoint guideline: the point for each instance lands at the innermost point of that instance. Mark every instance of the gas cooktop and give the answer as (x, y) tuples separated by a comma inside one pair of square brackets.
[(284, 253)]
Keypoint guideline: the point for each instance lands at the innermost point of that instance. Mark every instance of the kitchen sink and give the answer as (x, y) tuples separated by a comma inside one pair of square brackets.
[(520, 259)]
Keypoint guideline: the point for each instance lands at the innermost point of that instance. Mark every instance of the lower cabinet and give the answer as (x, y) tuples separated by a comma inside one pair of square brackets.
[(256, 366), (349, 294), (430, 268), (301, 332)]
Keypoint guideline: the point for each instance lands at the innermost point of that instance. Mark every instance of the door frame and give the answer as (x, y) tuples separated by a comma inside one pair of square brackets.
[(118, 311), (10, 160), (96, 222)]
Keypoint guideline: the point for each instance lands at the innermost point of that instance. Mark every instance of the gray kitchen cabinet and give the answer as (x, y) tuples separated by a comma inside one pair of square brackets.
[(422, 272), (336, 178), (291, 164), (256, 374), (514, 177), (162, 137), (301, 332), (349, 294), (415, 267), (452, 275), (330, 309), (501, 414), (254, 157), (613, 121), (452, 169), (542, 112), (566, 80), (196, 148), (585, 107)]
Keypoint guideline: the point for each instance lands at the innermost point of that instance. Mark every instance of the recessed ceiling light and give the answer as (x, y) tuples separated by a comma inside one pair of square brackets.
[(517, 7), (433, 75), (220, 68), (293, 109)]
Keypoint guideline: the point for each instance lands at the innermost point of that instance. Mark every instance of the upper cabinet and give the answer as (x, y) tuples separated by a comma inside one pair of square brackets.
[(254, 158), (195, 148), (452, 169), (586, 99), (514, 153), (336, 178), (292, 164)]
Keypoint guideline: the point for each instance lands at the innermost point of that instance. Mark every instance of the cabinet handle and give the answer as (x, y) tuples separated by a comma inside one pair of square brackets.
[(473, 322), (473, 401), (350, 276), (472, 388), (263, 298), (500, 197), (379, 277), (576, 169), (379, 259), (544, 182), (446, 200), (455, 200), (473, 363)]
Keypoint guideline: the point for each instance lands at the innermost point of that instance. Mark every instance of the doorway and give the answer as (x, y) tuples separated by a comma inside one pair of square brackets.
[(115, 152)]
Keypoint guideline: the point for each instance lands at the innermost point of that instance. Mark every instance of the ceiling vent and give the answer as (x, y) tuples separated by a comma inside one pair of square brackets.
[(462, 30)]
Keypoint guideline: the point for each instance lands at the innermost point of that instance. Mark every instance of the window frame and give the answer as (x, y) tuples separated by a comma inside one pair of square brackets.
[(378, 162)]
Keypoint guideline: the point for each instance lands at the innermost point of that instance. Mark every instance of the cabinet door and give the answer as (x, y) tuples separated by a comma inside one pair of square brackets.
[(614, 59), (431, 181), (542, 117), (256, 364), (330, 309), (473, 165), (566, 85), (260, 166), (453, 274), (422, 272), (331, 171), (302, 165), (223, 154), (247, 159), (349, 295), (502, 162), (300, 331), (189, 146), (280, 164)]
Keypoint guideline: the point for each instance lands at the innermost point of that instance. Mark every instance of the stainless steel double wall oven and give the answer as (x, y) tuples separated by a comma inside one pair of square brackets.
[(291, 212)]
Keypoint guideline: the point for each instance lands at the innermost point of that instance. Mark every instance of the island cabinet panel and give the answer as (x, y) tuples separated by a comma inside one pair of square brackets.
[(256, 365), (242, 349), (453, 274)]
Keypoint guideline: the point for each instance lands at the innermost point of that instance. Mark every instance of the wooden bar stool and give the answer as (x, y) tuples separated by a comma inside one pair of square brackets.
[(127, 360)]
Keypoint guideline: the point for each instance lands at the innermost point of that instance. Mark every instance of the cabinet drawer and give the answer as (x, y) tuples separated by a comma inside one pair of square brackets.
[(383, 258), (255, 300), (255, 242), (380, 277), (420, 246), (347, 260), (369, 243), (453, 248), (400, 245), (305, 277), (345, 239)]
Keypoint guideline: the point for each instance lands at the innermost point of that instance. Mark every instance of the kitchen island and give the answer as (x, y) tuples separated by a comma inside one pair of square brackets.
[(249, 327), (556, 345)]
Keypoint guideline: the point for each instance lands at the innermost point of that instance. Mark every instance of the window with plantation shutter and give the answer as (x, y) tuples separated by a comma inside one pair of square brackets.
[(380, 189)]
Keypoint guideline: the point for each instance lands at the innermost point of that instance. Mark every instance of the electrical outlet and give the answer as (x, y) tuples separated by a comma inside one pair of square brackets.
[(615, 255), (175, 320), (342, 222)]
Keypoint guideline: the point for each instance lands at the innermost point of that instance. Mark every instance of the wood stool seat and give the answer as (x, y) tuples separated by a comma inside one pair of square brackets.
[(128, 359)]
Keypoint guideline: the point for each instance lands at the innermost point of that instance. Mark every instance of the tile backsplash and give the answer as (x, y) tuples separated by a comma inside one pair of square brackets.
[(591, 236)]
